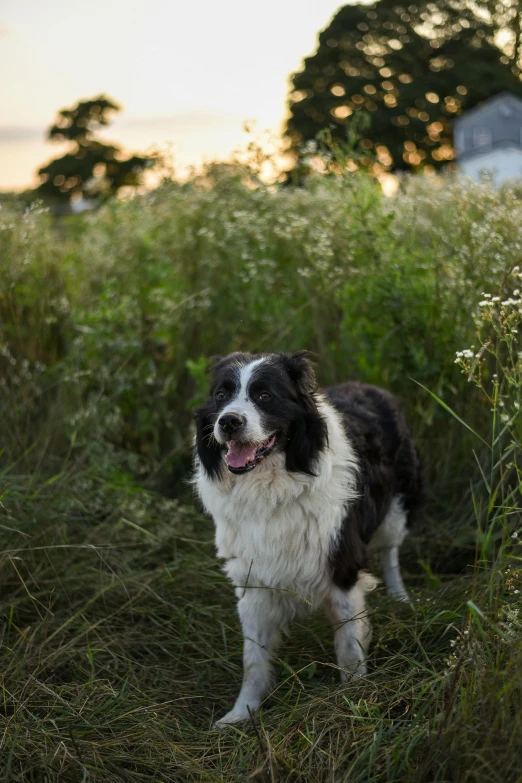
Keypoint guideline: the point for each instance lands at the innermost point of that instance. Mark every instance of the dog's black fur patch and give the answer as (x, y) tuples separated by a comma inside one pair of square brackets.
[(389, 466)]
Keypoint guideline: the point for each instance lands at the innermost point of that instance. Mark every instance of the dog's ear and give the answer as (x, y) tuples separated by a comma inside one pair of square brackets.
[(212, 364), (208, 449), (308, 433), (301, 372), (306, 438)]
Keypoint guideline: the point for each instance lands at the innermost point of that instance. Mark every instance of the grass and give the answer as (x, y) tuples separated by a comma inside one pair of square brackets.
[(121, 646), (120, 641)]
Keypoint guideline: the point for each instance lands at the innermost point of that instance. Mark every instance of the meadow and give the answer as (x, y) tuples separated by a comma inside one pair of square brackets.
[(120, 643)]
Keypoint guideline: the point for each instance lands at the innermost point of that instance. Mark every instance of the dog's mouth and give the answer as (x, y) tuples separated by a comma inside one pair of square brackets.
[(242, 457)]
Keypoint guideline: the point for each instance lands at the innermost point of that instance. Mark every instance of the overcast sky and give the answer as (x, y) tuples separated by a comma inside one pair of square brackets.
[(188, 73)]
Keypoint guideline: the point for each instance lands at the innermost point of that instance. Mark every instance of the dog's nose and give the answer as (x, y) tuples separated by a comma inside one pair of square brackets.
[(230, 422)]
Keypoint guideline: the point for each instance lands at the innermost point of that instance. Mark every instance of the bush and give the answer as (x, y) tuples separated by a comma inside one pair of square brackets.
[(124, 306)]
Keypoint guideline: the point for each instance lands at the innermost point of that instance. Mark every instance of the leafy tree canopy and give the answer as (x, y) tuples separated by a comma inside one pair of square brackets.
[(412, 68), (91, 169)]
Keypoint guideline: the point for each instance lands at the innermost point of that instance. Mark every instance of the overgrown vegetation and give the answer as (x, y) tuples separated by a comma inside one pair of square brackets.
[(120, 641)]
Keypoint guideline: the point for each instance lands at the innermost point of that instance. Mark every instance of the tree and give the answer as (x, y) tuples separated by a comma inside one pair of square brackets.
[(91, 169), (412, 68), (505, 16)]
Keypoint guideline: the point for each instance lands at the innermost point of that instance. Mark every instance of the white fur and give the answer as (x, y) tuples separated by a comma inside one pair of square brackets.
[(386, 542), (243, 406), (347, 611), (275, 530)]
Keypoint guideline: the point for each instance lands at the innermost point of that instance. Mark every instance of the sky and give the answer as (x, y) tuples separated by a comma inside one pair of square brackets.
[(188, 73)]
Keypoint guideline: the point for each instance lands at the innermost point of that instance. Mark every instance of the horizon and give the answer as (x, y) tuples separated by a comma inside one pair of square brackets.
[(200, 118)]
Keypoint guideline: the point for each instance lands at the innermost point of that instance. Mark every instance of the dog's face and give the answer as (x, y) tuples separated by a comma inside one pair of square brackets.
[(260, 405)]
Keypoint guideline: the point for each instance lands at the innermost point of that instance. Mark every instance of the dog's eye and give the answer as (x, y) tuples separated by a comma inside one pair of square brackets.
[(220, 395), (265, 396)]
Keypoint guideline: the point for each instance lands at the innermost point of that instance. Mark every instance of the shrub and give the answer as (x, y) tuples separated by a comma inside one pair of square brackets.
[(380, 289)]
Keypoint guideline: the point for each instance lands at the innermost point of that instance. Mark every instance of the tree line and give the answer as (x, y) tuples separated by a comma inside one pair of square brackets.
[(407, 69)]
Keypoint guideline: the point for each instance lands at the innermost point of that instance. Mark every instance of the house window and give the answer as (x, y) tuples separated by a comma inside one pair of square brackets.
[(482, 137)]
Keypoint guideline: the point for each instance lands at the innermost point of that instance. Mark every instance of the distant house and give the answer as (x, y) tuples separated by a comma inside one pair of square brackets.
[(488, 139)]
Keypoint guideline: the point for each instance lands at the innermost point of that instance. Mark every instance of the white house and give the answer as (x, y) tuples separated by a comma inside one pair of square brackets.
[(488, 139)]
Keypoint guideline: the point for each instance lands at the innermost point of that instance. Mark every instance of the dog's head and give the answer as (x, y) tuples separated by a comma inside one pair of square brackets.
[(259, 406)]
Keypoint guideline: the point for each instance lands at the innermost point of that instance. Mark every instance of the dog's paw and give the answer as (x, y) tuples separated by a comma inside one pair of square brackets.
[(400, 595), (234, 716), (349, 673)]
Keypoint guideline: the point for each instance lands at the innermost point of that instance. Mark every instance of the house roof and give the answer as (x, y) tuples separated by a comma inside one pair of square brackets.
[(502, 97)]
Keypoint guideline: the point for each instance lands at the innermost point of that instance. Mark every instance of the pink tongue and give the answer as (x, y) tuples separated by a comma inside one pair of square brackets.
[(239, 454)]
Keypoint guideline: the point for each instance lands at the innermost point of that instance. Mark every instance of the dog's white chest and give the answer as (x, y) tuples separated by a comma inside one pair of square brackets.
[(276, 528), (287, 548)]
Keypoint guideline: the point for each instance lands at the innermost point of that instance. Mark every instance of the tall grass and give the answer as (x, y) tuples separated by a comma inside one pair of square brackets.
[(120, 642)]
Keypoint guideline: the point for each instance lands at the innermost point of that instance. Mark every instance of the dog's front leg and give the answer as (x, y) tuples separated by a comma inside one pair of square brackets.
[(261, 623), (347, 612)]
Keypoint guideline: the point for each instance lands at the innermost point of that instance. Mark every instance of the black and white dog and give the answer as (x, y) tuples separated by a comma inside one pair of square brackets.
[(301, 483)]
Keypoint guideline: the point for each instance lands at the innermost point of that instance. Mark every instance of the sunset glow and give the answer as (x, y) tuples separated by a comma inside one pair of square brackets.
[(187, 75)]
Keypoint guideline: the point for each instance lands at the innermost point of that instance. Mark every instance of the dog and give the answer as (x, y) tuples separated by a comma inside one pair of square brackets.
[(302, 484)]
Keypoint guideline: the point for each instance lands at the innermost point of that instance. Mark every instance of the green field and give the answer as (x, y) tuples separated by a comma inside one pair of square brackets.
[(120, 643)]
